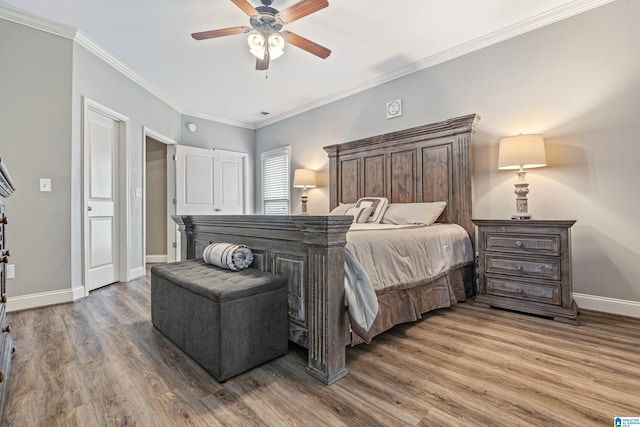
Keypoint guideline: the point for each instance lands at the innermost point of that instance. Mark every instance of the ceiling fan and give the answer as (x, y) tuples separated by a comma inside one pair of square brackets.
[(266, 41)]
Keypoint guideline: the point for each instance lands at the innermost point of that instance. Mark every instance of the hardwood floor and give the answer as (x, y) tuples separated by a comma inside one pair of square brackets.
[(100, 362)]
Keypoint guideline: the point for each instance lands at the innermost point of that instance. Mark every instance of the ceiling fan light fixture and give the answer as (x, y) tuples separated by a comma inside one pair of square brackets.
[(276, 43), (256, 44)]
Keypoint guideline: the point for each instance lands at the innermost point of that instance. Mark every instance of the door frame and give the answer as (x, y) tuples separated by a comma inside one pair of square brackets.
[(122, 168), (171, 207)]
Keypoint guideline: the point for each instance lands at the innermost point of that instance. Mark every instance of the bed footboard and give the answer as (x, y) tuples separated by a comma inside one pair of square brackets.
[(309, 251)]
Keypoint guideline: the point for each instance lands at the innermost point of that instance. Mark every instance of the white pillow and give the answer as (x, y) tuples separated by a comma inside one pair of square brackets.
[(342, 209), (360, 215), (413, 213), (378, 205)]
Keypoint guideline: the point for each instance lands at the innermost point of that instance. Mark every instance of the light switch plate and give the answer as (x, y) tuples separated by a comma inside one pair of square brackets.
[(11, 271), (45, 184)]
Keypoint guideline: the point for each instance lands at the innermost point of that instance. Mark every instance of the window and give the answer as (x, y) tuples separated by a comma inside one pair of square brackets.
[(275, 181)]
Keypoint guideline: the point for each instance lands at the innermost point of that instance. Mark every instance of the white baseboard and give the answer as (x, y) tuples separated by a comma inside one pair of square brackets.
[(150, 259), (608, 305), (24, 302), (137, 272)]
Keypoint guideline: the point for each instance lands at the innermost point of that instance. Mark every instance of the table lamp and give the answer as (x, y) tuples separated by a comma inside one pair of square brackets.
[(520, 152), (305, 179)]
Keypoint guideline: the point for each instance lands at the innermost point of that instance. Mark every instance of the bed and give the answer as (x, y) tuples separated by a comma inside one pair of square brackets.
[(429, 163)]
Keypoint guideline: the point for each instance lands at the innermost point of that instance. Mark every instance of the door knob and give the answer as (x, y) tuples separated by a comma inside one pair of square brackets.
[(89, 208)]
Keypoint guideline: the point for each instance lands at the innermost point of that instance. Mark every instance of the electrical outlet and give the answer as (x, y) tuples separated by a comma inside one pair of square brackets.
[(11, 271), (45, 185)]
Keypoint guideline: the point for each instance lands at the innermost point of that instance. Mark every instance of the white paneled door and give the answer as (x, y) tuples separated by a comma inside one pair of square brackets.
[(101, 186), (209, 182)]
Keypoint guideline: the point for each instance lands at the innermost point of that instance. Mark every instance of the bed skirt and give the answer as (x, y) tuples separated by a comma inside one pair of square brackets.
[(406, 303)]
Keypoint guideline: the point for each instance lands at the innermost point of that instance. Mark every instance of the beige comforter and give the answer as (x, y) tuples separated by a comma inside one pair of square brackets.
[(378, 256)]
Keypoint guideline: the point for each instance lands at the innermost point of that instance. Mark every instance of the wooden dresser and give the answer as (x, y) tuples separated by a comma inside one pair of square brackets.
[(6, 342), (525, 265)]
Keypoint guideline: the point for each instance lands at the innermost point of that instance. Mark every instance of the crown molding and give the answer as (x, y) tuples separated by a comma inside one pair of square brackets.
[(32, 21), (205, 116), (554, 15), (562, 12), (83, 40)]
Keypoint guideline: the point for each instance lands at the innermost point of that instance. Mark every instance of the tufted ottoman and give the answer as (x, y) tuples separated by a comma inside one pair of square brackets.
[(227, 321)]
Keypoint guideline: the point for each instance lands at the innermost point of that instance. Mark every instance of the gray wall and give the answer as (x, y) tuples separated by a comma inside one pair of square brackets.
[(95, 79), (43, 78), (577, 82), (35, 142)]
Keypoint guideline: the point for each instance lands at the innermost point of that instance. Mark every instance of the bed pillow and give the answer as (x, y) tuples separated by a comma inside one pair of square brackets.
[(342, 209), (378, 206), (413, 213), (228, 256), (360, 215)]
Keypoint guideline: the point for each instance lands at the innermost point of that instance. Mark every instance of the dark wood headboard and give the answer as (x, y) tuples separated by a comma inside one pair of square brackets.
[(423, 164)]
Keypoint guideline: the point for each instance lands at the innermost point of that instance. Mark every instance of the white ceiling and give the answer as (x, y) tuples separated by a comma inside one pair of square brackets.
[(372, 41)]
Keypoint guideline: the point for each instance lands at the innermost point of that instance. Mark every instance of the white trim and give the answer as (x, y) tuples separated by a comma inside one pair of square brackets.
[(562, 12), (608, 305), (137, 272), (41, 299), (147, 132), (199, 115), (153, 259), (524, 26), (32, 21), (124, 223)]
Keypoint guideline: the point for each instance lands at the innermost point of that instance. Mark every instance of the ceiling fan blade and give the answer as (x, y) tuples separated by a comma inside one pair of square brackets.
[(246, 7), (220, 33), (300, 10), (306, 44), (263, 64)]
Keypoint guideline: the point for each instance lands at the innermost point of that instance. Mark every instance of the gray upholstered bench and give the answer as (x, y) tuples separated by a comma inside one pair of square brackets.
[(227, 321)]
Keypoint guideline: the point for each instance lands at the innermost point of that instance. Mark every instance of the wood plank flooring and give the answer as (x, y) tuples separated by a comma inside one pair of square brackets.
[(100, 362)]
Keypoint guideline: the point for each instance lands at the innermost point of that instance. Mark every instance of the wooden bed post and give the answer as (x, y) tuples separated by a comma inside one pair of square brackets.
[(325, 238), (186, 236)]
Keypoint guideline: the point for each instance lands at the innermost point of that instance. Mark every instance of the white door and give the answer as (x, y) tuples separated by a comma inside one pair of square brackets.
[(194, 181), (209, 182), (229, 178), (101, 185)]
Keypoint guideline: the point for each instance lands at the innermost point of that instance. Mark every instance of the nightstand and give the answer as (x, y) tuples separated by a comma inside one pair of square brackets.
[(525, 265)]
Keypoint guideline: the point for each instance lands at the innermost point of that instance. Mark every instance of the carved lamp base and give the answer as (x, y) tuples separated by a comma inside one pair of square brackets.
[(522, 189), (304, 199)]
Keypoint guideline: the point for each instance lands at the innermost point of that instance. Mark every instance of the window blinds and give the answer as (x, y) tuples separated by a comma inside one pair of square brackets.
[(275, 182)]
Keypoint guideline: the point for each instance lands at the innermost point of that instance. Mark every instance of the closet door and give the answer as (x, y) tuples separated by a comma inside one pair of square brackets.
[(209, 182), (229, 182)]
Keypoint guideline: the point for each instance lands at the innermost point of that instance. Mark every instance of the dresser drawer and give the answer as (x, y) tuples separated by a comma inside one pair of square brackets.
[(541, 269), (548, 293), (543, 244)]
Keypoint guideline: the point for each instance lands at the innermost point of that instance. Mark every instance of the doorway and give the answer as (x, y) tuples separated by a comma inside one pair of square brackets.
[(105, 242), (159, 198)]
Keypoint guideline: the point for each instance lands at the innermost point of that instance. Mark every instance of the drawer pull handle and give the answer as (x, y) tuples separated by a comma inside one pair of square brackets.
[(518, 243), (1, 377), (518, 267), (5, 252), (4, 259), (3, 219), (6, 328)]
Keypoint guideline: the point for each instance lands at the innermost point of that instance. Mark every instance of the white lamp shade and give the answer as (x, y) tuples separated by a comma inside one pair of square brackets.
[(304, 178), (522, 150)]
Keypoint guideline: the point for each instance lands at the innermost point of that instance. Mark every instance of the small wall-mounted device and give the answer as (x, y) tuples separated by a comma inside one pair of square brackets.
[(45, 185), (192, 127), (394, 109)]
